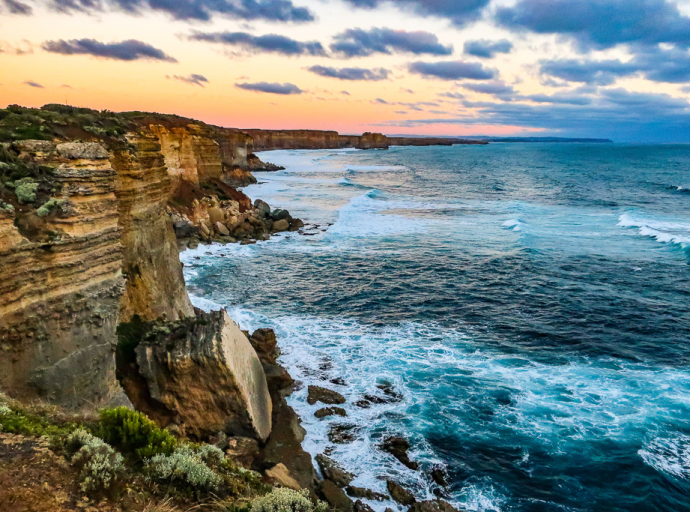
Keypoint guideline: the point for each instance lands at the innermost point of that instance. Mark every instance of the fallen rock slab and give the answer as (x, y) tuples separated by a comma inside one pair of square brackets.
[(335, 497), (332, 471), (399, 493), (368, 494), (330, 411), (326, 396), (279, 474)]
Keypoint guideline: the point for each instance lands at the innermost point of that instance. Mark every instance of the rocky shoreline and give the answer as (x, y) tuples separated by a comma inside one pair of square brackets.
[(94, 210)]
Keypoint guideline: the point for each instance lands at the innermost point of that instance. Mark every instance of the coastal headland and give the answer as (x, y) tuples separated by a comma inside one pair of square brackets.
[(94, 315)]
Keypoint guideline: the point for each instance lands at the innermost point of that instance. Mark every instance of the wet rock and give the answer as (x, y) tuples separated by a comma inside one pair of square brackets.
[(398, 448), (438, 475), (278, 378), (248, 242), (279, 474), (242, 450), (390, 392), (281, 225), (432, 506), (184, 228), (342, 434), (338, 381), (360, 506), (279, 214), (332, 471), (335, 497), (262, 208), (399, 493), (330, 411), (368, 494), (296, 225), (265, 343), (326, 396), (363, 404)]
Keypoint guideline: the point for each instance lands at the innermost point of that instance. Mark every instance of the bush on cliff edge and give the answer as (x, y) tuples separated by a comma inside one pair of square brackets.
[(133, 432)]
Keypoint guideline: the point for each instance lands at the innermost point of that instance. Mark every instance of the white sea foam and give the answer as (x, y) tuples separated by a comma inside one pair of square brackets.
[(669, 455), (515, 224), (664, 231)]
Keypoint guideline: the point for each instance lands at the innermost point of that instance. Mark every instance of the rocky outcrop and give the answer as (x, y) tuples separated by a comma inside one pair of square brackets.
[(265, 140), (203, 376), (433, 141)]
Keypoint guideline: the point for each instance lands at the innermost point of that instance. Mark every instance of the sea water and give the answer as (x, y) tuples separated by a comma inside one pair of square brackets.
[(526, 306)]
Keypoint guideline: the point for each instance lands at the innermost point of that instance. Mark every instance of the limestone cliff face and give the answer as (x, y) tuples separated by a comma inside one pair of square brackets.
[(60, 294), (155, 285), (264, 140)]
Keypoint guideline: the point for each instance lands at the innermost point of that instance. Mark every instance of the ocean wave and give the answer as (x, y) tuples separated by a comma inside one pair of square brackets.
[(669, 455), (347, 182), (669, 232), (515, 224)]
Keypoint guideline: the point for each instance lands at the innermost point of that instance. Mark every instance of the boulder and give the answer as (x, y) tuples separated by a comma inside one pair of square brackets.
[(360, 506), (184, 228), (330, 411), (343, 433), (335, 497), (216, 215), (204, 229), (262, 207), (242, 450), (82, 151), (438, 475), (399, 493), (279, 214), (398, 446), (279, 474), (33, 146), (432, 506), (332, 471), (203, 373), (368, 494), (281, 225), (326, 396), (296, 225), (221, 229), (266, 345)]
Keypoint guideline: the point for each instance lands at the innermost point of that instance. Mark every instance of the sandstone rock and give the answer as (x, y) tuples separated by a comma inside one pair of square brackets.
[(216, 215), (204, 229), (332, 471), (41, 147), (336, 497), (296, 225), (221, 229), (281, 225), (399, 493), (432, 506), (360, 506), (360, 492), (262, 207), (243, 450), (82, 151), (206, 374), (279, 474), (237, 177), (184, 228), (330, 411), (327, 396), (266, 345), (398, 446)]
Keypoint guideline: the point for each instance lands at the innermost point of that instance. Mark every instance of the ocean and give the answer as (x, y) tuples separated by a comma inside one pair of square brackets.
[(519, 312)]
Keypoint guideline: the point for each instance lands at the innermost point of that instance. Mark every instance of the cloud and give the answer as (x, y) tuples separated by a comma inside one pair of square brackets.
[(15, 7), (361, 43), (270, 43), (459, 12), (560, 98), (655, 64), (486, 49), (271, 88), (453, 70), (193, 10), (192, 79), (126, 50), (371, 75), (345, 93), (497, 88), (601, 23), (31, 83), (618, 114)]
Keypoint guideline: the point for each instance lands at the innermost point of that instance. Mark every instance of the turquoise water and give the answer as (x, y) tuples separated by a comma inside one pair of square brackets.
[(528, 304)]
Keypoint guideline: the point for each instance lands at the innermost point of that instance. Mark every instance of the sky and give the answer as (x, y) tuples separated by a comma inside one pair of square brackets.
[(616, 69)]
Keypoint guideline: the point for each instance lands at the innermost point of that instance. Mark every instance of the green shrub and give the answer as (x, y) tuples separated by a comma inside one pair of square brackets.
[(101, 466), (15, 421), (6, 207), (286, 500), (48, 207), (184, 467), (133, 432), (25, 189)]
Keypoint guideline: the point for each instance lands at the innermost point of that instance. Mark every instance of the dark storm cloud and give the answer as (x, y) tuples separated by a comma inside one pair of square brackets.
[(497, 88), (271, 88), (15, 7), (459, 12), (269, 43), (453, 70), (125, 50), (371, 75), (601, 23), (486, 49), (359, 43), (617, 113), (193, 10), (193, 79)]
